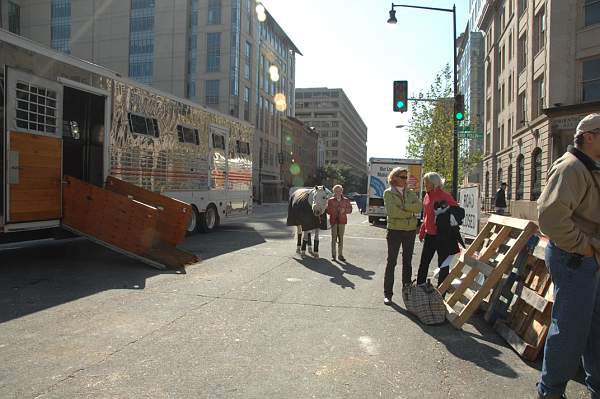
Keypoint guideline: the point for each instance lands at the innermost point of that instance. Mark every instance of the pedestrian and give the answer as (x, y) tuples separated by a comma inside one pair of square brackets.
[(433, 242), (338, 207), (569, 214), (500, 200), (401, 206)]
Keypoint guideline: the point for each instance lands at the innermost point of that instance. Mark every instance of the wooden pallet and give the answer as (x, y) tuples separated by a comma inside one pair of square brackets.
[(122, 223), (488, 258), (530, 296)]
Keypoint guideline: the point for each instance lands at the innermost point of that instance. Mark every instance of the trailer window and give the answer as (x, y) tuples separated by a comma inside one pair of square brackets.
[(218, 141), (36, 108), (243, 147), (141, 125), (188, 135)]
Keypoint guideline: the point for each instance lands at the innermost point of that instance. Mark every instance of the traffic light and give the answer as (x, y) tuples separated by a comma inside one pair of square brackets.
[(400, 96), (459, 107)]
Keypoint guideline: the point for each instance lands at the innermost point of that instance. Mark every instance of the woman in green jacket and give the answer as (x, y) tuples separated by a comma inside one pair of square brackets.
[(401, 205)]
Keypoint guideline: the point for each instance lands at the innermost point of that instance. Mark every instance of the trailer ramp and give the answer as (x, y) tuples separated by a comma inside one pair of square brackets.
[(128, 219)]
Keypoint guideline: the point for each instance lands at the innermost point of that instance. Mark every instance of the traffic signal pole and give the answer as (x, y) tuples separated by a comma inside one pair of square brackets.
[(455, 122), (393, 20)]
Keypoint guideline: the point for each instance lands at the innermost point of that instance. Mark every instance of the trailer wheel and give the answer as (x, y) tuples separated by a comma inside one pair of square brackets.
[(209, 220), (372, 220), (194, 226)]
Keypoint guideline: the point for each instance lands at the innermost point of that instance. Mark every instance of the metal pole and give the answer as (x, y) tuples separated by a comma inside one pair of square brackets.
[(455, 124)]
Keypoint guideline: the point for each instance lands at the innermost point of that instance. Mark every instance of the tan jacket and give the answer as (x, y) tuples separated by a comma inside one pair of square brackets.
[(569, 207)]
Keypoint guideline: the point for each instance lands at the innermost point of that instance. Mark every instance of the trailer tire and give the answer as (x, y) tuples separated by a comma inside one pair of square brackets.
[(209, 220), (372, 220), (194, 226)]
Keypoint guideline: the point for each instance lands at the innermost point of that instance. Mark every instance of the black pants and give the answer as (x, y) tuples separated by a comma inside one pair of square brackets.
[(431, 245), (395, 238)]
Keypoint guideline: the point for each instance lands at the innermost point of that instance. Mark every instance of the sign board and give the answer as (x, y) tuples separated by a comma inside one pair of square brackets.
[(469, 200)]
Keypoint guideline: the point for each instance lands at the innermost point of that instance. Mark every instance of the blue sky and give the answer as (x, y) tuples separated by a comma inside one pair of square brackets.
[(348, 44)]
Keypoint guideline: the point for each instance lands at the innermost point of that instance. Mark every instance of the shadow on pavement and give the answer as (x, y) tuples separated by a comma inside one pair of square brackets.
[(465, 346), (40, 277), (354, 270), (327, 268)]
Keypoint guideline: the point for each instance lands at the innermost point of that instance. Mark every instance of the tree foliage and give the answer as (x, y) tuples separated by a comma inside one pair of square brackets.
[(332, 174), (431, 126)]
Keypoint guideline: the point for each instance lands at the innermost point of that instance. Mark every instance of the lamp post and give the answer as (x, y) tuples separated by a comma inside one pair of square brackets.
[(393, 20)]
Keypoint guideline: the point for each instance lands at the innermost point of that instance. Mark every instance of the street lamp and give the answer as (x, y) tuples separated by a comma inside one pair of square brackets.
[(392, 20)]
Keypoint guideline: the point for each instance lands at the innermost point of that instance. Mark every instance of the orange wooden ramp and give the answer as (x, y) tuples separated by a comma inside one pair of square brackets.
[(126, 218)]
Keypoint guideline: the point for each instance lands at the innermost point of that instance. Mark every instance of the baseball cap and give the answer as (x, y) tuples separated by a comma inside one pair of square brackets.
[(590, 123)]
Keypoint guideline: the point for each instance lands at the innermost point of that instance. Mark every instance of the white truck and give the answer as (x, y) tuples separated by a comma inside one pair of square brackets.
[(379, 168)]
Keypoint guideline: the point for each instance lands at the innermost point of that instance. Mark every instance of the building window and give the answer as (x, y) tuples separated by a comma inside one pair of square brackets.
[(520, 177), (488, 109), (247, 60), (502, 137), (139, 124), (214, 12), (249, 11), (522, 56), (246, 103), (510, 47), (502, 96), (540, 91), (522, 109), (522, 6), (213, 52), (212, 92), (234, 51), (60, 25), (499, 177), (509, 183), (141, 40), (487, 184), (510, 90), (509, 132), (536, 174), (14, 18), (501, 58), (488, 75), (591, 80), (539, 26), (592, 12), (192, 50)]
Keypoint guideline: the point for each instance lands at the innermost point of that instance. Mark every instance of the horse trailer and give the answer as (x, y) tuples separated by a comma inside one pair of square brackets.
[(63, 116)]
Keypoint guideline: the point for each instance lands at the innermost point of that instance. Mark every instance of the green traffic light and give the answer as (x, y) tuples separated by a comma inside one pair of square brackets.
[(400, 104), (459, 116)]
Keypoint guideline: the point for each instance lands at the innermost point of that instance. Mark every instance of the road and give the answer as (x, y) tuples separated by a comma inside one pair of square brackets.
[(252, 320)]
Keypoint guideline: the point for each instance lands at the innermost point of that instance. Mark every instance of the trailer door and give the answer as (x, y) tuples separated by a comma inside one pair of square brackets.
[(34, 148)]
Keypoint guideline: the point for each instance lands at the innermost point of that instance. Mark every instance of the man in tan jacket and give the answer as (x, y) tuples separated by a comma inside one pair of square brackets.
[(569, 214)]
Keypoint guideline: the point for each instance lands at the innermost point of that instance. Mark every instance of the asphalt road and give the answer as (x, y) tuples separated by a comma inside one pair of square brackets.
[(252, 320)]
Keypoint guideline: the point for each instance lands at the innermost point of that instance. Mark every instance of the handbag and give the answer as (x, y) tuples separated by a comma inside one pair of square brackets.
[(425, 302)]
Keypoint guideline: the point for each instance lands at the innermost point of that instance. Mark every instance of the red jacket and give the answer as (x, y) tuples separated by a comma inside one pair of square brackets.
[(428, 226), (338, 210)]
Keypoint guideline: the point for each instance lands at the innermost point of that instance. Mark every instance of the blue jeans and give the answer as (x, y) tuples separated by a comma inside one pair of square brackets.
[(574, 332)]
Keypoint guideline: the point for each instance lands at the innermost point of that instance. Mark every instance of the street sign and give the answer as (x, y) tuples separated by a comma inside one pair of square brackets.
[(469, 200), (466, 133)]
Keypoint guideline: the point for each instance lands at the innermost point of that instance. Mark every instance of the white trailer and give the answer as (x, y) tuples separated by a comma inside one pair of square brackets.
[(379, 169), (64, 116)]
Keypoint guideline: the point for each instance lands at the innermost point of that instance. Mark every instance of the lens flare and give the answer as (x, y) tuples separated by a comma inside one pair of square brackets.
[(295, 169), (280, 102)]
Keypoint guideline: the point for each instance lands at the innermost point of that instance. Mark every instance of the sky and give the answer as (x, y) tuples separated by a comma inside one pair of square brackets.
[(348, 44)]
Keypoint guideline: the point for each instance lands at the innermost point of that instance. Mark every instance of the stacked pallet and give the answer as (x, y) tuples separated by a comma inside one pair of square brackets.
[(503, 272)]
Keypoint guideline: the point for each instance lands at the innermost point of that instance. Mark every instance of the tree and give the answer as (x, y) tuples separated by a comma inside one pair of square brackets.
[(431, 127)]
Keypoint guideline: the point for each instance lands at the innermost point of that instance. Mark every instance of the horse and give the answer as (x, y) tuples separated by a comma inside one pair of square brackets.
[(306, 211)]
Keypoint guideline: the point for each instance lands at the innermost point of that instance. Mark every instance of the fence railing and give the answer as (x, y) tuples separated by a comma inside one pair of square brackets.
[(487, 205)]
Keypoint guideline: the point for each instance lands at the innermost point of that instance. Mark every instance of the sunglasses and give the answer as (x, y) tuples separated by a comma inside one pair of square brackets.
[(402, 177)]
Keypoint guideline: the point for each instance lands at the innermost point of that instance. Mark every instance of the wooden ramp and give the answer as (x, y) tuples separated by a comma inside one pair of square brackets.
[(481, 267), (138, 223)]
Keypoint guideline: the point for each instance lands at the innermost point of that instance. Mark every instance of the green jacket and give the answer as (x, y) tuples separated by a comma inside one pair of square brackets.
[(401, 210)]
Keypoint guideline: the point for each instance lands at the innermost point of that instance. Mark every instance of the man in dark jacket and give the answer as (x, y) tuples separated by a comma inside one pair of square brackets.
[(500, 200)]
